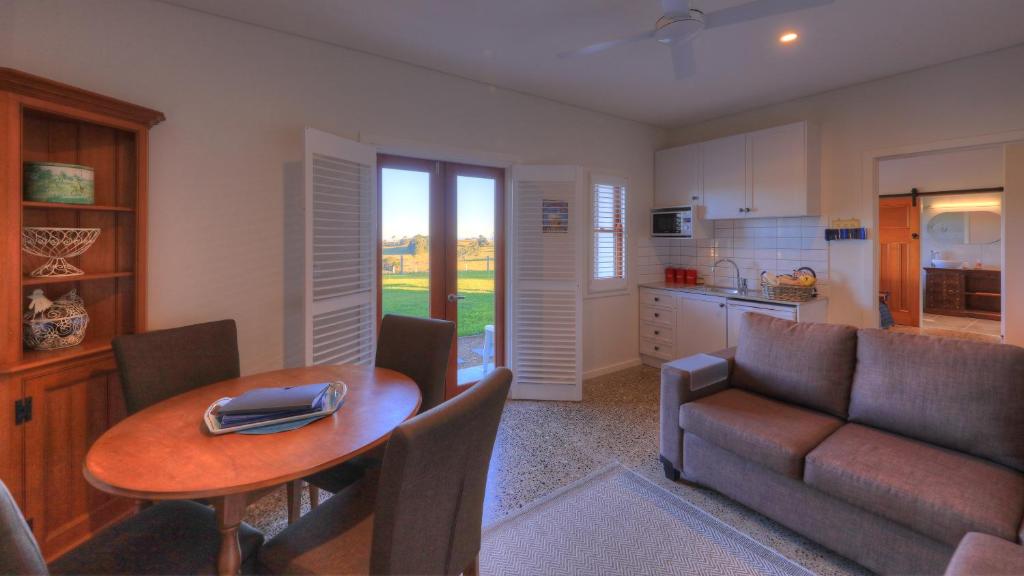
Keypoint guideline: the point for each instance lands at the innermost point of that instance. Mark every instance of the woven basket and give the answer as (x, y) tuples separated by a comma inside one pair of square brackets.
[(788, 293)]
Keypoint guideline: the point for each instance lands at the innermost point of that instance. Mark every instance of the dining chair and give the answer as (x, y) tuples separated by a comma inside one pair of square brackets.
[(157, 365), (416, 347), (423, 516), (177, 537)]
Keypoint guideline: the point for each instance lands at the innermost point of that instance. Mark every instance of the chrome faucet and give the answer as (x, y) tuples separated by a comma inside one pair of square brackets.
[(741, 283)]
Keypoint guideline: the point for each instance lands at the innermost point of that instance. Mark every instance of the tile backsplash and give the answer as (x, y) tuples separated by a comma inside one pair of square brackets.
[(755, 244)]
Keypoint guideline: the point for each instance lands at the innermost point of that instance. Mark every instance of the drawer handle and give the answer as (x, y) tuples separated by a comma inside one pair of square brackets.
[(656, 299), (657, 332), (656, 315), (656, 349), (721, 305)]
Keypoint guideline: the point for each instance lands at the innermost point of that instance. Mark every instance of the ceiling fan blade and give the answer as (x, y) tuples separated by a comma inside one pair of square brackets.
[(683, 61), (602, 46), (675, 6), (757, 9)]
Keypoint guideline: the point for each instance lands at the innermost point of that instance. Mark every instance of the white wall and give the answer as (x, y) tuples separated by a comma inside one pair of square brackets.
[(237, 98), (969, 97), (954, 170)]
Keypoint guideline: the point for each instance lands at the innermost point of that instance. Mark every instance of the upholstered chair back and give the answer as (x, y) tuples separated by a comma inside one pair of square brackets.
[(418, 348), (19, 553), (157, 365), (430, 498)]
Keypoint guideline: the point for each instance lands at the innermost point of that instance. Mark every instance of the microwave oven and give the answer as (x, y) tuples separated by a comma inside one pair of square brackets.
[(677, 222)]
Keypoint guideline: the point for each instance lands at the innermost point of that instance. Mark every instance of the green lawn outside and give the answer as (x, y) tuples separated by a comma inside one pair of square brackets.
[(407, 294)]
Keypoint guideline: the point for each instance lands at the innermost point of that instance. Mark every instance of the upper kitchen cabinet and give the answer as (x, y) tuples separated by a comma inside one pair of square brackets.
[(677, 177), (724, 168), (763, 174), (783, 168)]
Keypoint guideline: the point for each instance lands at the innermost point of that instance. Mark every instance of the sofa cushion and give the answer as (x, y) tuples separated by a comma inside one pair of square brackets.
[(804, 363), (968, 396), (938, 492), (771, 433), (984, 554)]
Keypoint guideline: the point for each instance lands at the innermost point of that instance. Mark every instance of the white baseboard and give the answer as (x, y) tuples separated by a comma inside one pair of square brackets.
[(631, 363)]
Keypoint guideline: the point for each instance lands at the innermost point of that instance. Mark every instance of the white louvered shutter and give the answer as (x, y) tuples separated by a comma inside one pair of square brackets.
[(546, 299), (608, 234), (341, 233)]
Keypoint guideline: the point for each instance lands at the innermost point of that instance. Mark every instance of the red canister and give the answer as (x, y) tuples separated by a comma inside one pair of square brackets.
[(670, 275), (680, 275), (691, 276)]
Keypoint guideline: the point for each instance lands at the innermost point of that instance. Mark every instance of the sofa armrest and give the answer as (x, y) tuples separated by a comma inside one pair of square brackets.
[(676, 391), (984, 554)]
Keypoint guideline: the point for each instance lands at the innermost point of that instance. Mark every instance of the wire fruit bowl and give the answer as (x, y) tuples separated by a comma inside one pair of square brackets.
[(57, 244)]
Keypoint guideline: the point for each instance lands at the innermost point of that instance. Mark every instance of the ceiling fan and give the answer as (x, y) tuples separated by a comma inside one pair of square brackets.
[(681, 23)]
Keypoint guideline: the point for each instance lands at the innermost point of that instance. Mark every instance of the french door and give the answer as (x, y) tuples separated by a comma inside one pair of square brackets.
[(441, 255)]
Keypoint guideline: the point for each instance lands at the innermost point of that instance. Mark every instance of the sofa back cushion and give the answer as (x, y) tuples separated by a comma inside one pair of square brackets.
[(803, 363), (963, 395)]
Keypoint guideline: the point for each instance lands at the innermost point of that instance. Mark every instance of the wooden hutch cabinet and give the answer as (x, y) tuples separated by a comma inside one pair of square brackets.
[(56, 403)]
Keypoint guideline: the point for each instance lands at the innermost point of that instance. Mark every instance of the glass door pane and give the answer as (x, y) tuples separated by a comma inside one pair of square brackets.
[(405, 242), (475, 276)]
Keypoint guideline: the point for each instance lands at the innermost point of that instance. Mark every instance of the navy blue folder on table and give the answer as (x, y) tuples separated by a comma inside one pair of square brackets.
[(265, 404)]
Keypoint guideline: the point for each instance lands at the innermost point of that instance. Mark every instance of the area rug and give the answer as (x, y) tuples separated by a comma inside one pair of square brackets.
[(617, 522)]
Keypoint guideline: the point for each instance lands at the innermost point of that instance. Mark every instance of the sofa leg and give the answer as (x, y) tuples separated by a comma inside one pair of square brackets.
[(670, 471)]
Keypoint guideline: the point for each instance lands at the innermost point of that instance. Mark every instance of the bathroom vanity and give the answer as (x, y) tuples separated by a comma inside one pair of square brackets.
[(975, 293)]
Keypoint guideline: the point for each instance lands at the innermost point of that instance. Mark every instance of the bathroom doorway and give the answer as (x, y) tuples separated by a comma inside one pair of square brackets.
[(940, 227)]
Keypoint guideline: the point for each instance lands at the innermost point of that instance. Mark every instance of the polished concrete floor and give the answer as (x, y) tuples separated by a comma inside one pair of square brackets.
[(542, 446)]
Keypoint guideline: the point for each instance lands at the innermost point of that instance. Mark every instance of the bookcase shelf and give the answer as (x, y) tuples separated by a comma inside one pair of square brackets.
[(75, 392), (32, 281), (87, 207)]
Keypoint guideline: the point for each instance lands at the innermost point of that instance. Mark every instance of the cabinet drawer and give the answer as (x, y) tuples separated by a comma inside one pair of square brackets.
[(656, 349), (657, 332), (657, 315), (658, 298)]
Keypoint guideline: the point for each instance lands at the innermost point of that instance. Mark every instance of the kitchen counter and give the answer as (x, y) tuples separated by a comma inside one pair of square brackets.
[(751, 295)]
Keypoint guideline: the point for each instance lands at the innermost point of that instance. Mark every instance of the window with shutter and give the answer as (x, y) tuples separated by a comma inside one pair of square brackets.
[(608, 266)]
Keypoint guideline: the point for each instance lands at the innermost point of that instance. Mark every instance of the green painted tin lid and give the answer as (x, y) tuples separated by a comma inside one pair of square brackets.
[(58, 164)]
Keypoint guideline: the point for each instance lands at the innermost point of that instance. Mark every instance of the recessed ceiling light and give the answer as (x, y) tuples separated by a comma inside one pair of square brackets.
[(789, 37)]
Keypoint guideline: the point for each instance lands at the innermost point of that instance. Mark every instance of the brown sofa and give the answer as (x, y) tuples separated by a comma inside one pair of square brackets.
[(887, 448)]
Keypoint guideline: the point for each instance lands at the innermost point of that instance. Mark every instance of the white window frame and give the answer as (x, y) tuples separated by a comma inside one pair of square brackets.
[(614, 285)]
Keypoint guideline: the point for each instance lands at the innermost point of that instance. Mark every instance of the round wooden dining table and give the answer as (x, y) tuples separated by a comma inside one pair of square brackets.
[(165, 452)]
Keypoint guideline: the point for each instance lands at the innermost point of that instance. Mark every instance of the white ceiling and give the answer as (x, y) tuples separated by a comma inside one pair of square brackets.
[(513, 44)]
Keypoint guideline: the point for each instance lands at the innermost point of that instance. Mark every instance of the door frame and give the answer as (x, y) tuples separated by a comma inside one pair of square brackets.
[(444, 210), (869, 189)]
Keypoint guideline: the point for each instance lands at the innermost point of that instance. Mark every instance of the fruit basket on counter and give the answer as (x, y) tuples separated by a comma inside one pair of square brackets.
[(800, 286)]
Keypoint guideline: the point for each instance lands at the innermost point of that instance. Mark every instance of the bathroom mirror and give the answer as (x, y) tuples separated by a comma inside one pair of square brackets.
[(973, 227)]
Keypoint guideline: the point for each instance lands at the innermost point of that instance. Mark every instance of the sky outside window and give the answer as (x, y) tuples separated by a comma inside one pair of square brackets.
[(405, 205)]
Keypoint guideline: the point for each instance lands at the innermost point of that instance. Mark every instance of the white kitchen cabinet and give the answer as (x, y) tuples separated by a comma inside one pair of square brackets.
[(657, 325), (764, 174), (677, 177), (783, 173), (675, 323), (701, 324), (724, 171)]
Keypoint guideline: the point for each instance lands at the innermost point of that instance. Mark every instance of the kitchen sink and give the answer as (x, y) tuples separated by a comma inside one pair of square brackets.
[(720, 290)]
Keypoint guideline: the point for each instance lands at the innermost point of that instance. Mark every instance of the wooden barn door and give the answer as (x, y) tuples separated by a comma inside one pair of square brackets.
[(899, 232)]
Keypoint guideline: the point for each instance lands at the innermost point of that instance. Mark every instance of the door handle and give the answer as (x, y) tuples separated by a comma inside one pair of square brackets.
[(455, 297)]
